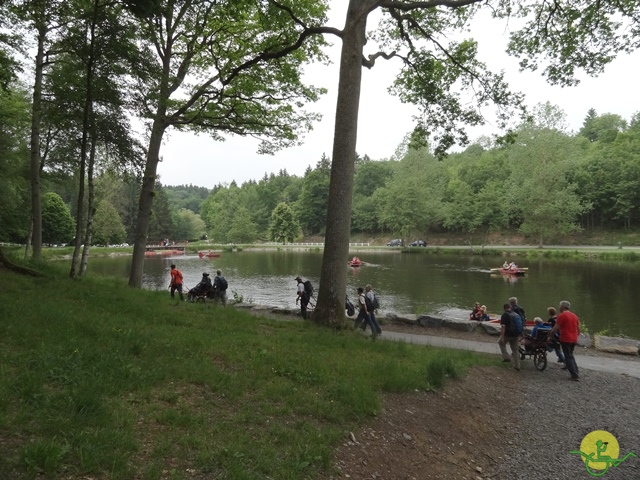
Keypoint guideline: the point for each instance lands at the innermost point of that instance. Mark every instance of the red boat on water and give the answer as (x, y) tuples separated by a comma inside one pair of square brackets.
[(528, 323), (355, 262), (208, 254), (518, 272)]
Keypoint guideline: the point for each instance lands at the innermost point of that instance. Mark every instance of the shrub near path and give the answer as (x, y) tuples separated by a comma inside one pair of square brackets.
[(99, 380)]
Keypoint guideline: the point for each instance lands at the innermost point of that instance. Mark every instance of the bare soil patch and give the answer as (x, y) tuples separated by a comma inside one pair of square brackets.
[(452, 434)]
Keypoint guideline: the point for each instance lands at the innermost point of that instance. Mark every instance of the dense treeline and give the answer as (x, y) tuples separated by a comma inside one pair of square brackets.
[(547, 183)]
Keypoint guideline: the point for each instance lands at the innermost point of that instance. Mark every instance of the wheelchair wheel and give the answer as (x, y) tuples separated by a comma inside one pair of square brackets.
[(540, 360)]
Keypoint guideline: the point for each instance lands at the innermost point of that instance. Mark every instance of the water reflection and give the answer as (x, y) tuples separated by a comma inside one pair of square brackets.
[(602, 294)]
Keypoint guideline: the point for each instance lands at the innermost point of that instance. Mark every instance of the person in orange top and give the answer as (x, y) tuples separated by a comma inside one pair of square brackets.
[(568, 324), (176, 282)]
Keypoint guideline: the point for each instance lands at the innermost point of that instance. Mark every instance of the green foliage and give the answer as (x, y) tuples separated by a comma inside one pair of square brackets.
[(188, 225), (107, 226), (311, 208), (242, 230), (57, 223), (14, 186), (284, 227)]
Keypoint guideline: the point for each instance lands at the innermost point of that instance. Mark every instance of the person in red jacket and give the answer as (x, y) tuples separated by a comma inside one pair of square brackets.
[(568, 324), (176, 282)]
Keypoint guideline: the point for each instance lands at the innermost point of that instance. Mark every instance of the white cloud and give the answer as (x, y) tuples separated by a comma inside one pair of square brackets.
[(383, 119)]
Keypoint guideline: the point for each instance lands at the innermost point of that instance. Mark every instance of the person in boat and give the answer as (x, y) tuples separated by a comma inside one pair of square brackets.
[(475, 312), (505, 265), (513, 267), (355, 261), (483, 315), (201, 288), (553, 316)]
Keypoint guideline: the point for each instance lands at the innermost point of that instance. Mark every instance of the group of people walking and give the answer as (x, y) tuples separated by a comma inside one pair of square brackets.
[(564, 327), (216, 290), (367, 305)]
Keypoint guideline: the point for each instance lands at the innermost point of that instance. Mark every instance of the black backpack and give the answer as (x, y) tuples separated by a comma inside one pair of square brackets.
[(516, 327), (308, 288), (223, 283), (349, 307), (375, 303), (369, 304)]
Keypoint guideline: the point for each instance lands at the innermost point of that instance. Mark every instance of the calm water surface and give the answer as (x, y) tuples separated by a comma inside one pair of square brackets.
[(603, 295)]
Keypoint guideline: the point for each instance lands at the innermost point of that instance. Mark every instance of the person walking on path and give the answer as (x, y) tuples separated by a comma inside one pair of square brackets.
[(515, 308), (176, 282), (553, 317), (302, 297), (568, 324), (510, 333), (371, 307), (220, 286), (363, 314)]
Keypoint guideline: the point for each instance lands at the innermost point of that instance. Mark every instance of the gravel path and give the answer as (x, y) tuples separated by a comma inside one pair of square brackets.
[(556, 414)]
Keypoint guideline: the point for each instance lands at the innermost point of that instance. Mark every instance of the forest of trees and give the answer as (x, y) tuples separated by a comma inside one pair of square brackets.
[(548, 183)]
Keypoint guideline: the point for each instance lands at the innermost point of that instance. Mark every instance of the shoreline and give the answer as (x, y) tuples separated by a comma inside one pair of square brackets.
[(463, 330)]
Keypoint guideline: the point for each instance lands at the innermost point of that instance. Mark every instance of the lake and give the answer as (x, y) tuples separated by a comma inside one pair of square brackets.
[(603, 294)]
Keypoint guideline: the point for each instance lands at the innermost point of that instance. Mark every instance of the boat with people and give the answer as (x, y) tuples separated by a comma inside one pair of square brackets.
[(355, 262), (208, 254), (510, 269)]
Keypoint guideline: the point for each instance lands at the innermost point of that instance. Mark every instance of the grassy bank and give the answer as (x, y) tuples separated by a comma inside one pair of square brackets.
[(101, 381)]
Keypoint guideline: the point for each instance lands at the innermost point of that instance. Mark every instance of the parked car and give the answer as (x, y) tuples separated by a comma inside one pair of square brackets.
[(396, 242), (418, 243)]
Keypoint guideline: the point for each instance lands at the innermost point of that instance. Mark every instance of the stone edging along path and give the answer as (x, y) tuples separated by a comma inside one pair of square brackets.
[(619, 345)]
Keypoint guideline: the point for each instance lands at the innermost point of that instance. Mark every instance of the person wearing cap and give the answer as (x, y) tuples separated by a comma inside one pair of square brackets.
[(201, 288), (302, 297)]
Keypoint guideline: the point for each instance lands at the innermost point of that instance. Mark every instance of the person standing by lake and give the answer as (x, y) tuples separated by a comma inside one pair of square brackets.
[(509, 334), (176, 282), (363, 314), (220, 286), (568, 324), (515, 308), (371, 295), (302, 297)]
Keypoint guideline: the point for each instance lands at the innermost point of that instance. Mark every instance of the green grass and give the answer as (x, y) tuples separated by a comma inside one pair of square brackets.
[(100, 380)]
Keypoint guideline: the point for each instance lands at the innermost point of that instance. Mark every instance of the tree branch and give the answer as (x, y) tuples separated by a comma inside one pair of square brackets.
[(370, 62), (409, 6)]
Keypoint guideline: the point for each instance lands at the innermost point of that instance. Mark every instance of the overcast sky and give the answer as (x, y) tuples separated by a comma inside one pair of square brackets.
[(383, 119)]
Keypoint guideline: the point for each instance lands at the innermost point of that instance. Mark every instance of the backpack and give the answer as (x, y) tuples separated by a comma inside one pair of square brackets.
[(375, 303), (349, 307), (223, 283), (308, 288), (369, 304), (515, 329)]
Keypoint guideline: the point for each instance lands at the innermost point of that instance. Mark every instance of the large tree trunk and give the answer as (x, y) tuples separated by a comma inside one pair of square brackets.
[(145, 204), (36, 115), (331, 294)]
